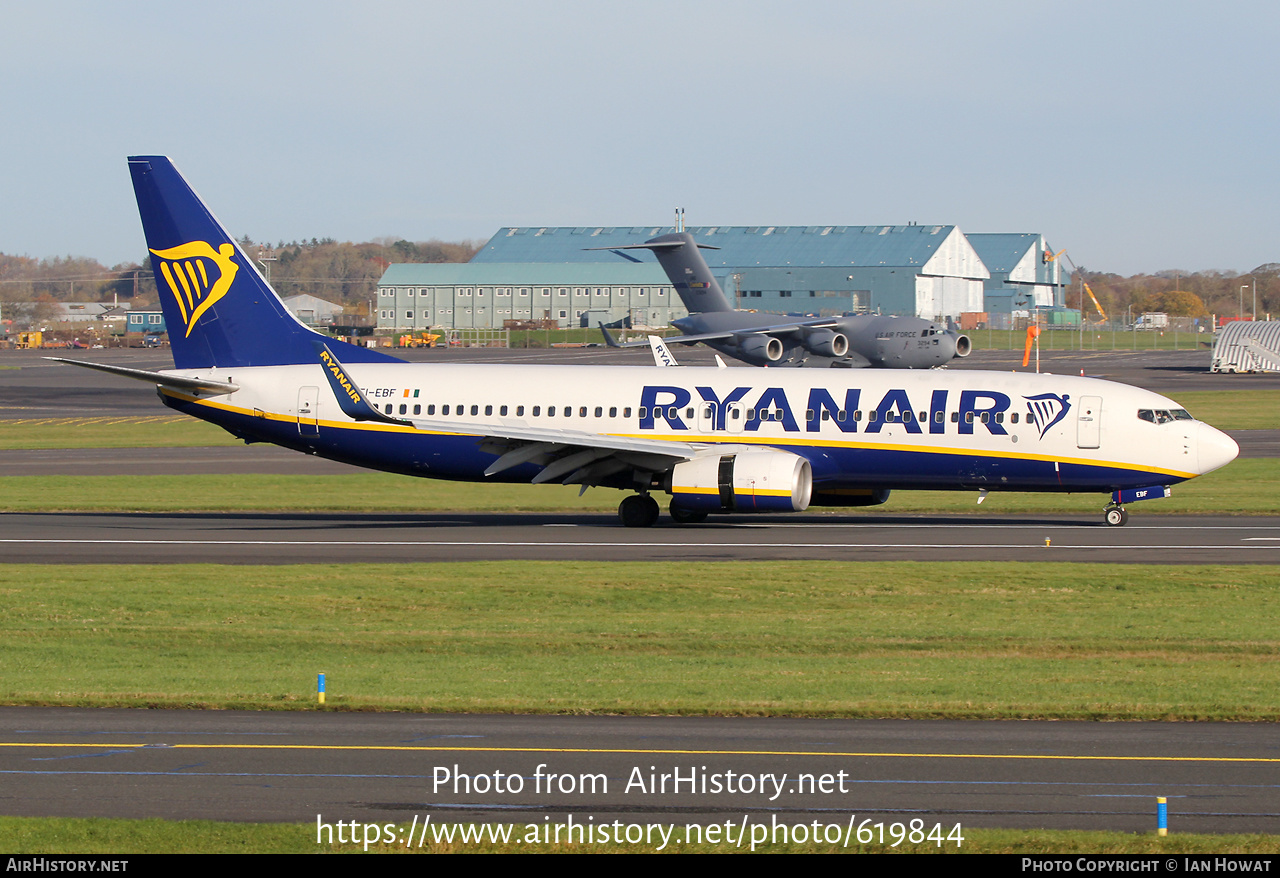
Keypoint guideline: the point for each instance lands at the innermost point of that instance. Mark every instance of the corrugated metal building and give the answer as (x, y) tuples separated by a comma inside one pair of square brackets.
[(1247, 346), (485, 296), (926, 271), (1024, 274)]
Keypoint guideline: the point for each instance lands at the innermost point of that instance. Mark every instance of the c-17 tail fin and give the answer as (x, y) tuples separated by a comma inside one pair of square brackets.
[(686, 269), (219, 310)]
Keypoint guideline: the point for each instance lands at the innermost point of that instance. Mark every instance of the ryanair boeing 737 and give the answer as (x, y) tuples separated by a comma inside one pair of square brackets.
[(717, 440)]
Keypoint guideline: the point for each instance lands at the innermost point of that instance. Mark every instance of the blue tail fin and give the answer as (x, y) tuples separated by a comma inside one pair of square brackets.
[(219, 310)]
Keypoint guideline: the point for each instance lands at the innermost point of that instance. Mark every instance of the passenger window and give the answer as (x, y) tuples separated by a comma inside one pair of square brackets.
[(444, 410), (404, 409), (417, 409), (955, 417), (431, 409), (643, 412), (826, 415), (475, 410), (537, 410), (388, 408), (808, 414), (1013, 418), (968, 417), (568, 411), (488, 410), (751, 414), (519, 411), (613, 411), (857, 414), (502, 412), (939, 417), (872, 416), (986, 417), (840, 415), (923, 417), (582, 412), (689, 414), (626, 412), (599, 412), (673, 414), (551, 411)]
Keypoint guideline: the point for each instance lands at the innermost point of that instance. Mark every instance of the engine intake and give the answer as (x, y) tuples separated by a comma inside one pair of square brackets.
[(762, 348), (827, 343)]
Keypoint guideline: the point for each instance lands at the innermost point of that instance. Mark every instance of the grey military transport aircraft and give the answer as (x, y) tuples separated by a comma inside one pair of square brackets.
[(858, 341)]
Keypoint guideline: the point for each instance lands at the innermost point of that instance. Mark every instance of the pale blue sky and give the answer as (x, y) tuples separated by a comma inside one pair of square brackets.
[(1140, 136)]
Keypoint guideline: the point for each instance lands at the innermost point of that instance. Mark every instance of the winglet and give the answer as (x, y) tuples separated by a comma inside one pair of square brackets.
[(351, 399), (661, 355), (608, 337)]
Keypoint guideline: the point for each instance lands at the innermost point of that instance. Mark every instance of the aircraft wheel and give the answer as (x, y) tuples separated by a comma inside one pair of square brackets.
[(1117, 516), (685, 516), (638, 510)]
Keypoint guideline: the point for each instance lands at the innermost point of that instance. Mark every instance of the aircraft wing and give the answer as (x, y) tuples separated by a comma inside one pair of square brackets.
[(773, 329), (565, 455)]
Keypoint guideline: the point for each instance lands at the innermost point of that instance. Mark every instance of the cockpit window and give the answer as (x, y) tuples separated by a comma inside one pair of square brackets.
[(1164, 416)]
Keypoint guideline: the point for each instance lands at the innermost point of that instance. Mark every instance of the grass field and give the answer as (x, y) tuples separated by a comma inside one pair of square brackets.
[(1245, 487), (25, 835), (953, 640)]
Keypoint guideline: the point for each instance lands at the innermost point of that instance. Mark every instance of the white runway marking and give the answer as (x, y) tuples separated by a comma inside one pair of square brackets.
[(613, 544)]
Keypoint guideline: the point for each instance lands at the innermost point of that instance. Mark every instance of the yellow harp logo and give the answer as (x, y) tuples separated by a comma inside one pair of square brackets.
[(197, 276)]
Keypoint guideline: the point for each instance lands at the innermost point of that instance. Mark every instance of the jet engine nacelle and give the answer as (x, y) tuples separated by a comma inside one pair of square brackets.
[(963, 346), (827, 343), (761, 348), (750, 480)]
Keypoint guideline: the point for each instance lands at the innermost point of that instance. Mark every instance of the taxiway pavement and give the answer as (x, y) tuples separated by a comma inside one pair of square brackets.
[(294, 538), (390, 768)]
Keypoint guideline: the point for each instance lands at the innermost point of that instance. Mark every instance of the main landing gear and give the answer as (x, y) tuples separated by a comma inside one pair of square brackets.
[(1116, 516), (641, 510), (638, 510)]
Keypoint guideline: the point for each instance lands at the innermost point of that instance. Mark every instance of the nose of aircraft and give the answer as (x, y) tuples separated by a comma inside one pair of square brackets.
[(1214, 448)]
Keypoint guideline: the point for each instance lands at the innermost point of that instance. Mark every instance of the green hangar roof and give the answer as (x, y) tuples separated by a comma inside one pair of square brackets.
[(740, 246)]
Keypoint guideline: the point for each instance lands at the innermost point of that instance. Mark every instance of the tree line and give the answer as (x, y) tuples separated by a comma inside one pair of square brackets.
[(348, 273), (338, 271)]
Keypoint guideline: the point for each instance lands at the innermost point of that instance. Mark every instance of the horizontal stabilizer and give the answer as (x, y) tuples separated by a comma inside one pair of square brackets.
[(177, 382)]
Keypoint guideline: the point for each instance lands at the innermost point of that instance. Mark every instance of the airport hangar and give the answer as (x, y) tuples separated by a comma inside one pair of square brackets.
[(935, 272)]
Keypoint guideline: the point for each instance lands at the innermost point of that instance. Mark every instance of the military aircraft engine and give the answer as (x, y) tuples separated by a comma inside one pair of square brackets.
[(761, 348), (749, 480), (963, 346), (827, 343)]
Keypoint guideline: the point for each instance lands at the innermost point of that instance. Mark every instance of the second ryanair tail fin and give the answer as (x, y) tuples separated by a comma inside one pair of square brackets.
[(219, 310)]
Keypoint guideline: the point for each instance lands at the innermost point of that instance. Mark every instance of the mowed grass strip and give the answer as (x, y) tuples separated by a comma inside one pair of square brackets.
[(112, 837), (874, 640), (164, 429), (1244, 487)]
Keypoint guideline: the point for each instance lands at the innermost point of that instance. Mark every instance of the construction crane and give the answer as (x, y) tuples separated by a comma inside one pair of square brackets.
[(1102, 314)]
